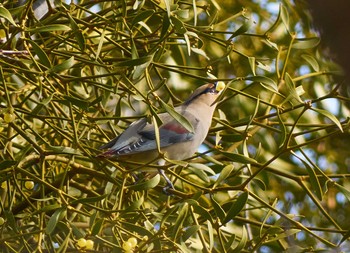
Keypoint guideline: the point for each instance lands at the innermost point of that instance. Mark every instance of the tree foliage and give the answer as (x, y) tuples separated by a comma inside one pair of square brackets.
[(272, 175)]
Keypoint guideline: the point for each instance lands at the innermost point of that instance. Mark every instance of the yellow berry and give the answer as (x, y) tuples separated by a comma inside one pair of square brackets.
[(89, 244), (2, 221), (9, 117), (4, 185), (133, 241), (81, 243), (29, 185), (220, 86), (127, 246)]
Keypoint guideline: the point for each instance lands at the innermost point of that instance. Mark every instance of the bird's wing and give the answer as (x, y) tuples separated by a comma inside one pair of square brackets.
[(141, 136), (129, 136)]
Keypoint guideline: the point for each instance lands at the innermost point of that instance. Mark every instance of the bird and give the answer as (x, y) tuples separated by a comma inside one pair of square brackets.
[(138, 142)]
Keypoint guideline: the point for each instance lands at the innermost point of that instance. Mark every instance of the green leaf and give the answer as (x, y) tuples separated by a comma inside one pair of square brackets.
[(329, 116), (177, 116), (80, 103), (67, 64), (58, 215), (220, 213), (226, 171), (230, 243), (62, 150), (77, 33), (142, 16), (134, 62), (283, 129), (239, 158), (306, 43), (236, 207), (252, 65), (7, 164), (274, 230), (232, 137), (188, 43), (135, 204), (311, 61), (149, 184), (242, 242), (139, 70), (64, 245), (190, 231), (179, 220), (243, 28), (49, 28), (165, 27), (315, 183), (211, 236), (205, 215), (182, 13), (285, 234), (43, 58), (200, 52), (97, 226), (178, 25), (7, 15), (200, 173), (11, 221), (156, 131), (89, 199), (283, 14), (168, 4), (203, 167), (292, 94), (343, 190), (345, 237), (266, 82)]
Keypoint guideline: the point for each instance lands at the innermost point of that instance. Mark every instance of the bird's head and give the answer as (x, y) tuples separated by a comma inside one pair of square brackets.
[(206, 93)]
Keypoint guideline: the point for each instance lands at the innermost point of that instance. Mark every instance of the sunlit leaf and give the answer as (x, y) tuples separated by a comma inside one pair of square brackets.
[(220, 213), (149, 184), (62, 150), (226, 171), (43, 58), (283, 13), (311, 61), (285, 234), (239, 158), (306, 43), (329, 115), (251, 61), (267, 82), (4, 13), (242, 242), (65, 65), (49, 28)]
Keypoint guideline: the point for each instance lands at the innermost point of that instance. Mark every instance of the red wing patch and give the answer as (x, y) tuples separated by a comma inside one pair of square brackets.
[(175, 127)]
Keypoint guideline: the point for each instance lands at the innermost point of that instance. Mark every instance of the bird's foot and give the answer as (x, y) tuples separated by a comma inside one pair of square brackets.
[(169, 185)]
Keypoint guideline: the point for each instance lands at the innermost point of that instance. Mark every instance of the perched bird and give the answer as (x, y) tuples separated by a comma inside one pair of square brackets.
[(138, 142)]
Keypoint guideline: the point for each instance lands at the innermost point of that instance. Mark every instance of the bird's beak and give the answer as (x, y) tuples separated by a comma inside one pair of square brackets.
[(218, 88)]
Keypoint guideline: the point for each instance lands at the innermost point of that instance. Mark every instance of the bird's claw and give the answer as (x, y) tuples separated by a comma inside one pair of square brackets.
[(169, 184)]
